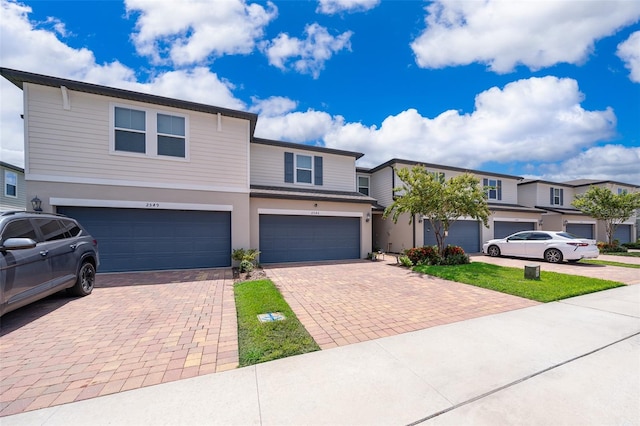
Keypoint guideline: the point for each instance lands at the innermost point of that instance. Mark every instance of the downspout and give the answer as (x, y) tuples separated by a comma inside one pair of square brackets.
[(414, 230)]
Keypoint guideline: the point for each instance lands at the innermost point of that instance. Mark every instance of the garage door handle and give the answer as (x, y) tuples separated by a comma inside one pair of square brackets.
[(43, 253)]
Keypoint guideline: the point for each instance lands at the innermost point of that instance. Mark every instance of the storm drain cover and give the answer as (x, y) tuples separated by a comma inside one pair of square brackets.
[(271, 316)]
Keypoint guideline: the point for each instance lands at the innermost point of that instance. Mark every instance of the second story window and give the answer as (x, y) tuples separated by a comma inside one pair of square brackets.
[(10, 184), (622, 191), (304, 168), (493, 188), (149, 132), (171, 135), (363, 185), (130, 130), (556, 197)]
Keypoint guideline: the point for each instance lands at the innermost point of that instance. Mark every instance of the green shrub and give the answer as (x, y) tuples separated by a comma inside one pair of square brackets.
[(455, 259), (614, 247), (427, 255), (405, 261), (635, 245), (241, 255), (246, 266)]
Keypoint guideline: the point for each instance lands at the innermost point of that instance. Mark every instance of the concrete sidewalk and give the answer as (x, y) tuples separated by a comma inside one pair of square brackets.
[(570, 362)]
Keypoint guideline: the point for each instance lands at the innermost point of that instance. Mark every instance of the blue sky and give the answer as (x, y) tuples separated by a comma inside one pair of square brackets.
[(537, 89)]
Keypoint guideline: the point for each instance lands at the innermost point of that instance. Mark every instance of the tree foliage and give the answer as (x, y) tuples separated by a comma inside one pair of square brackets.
[(602, 204), (440, 202)]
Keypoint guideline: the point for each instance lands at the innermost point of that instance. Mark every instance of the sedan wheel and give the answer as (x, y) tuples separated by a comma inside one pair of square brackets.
[(85, 281), (553, 256), (494, 251)]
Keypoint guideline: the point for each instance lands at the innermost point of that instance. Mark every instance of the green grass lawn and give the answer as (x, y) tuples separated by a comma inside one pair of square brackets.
[(260, 342), (608, 262), (551, 286), (627, 254)]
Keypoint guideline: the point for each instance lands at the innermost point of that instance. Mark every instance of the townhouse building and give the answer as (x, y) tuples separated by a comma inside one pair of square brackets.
[(13, 195), (163, 183)]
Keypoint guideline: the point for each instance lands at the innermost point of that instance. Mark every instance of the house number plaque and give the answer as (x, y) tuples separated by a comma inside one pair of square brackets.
[(153, 205)]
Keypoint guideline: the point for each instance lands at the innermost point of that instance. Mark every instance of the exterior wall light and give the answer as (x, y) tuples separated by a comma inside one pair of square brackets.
[(368, 218), (36, 204)]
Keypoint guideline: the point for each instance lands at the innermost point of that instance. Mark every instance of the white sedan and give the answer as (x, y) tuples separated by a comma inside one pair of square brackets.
[(551, 246)]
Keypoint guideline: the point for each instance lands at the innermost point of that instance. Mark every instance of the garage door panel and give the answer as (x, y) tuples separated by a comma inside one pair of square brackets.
[(504, 229), (463, 233), (139, 240), (623, 234), (580, 230), (304, 238)]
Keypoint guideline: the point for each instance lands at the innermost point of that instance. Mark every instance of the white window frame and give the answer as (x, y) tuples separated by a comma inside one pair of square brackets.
[(8, 173), (368, 185), (296, 168), (151, 133), (493, 184), (557, 197), (622, 191)]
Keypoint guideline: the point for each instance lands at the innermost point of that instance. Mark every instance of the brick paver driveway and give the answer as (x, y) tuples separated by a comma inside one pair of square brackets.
[(341, 303), (135, 330)]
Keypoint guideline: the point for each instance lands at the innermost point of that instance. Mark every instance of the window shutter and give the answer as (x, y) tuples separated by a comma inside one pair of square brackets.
[(485, 183), (561, 197), (317, 170), (499, 190), (551, 196), (288, 167)]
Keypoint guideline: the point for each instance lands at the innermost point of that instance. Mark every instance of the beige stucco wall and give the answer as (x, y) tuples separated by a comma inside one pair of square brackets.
[(136, 197), (311, 208)]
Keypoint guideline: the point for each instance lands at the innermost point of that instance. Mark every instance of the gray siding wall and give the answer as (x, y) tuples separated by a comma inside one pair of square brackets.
[(74, 145), (267, 168)]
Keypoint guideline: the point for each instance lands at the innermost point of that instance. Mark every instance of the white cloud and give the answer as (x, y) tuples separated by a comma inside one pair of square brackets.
[(609, 162), (273, 106), (312, 52), (330, 7), (629, 52), (25, 47), (537, 119), (306, 126), (192, 31), (504, 34)]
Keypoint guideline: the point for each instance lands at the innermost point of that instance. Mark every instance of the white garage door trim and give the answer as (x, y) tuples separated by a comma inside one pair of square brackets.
[(125, 204), (286, 212)]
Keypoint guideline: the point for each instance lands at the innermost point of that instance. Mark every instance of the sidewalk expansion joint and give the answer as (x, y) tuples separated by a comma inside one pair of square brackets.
[(524, 379)]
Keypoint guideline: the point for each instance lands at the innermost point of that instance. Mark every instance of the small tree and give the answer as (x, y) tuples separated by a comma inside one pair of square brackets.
[(602, 204), (440, 202)]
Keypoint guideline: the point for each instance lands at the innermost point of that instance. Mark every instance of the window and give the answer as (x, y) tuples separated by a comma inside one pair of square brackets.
[(304, 169), (171, 137), (19, 229), (438, 176), (493, 188), (622, 191), (130, 125), (363, 185), (556, 196), (10, 184), (149, 132), (51, 229)]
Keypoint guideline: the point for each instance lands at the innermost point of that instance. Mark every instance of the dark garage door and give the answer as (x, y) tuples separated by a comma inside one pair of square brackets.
[(504, 229), (463, 233), (145, 240), (582, 230), (308, 238), (623, 234)]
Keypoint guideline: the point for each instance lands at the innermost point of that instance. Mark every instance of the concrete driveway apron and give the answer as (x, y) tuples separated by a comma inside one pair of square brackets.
[(135, 330), (340, 303)]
